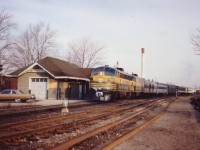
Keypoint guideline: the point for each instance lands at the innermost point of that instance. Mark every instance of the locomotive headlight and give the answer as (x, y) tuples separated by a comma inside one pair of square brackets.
[(99, 94), (101, 73)]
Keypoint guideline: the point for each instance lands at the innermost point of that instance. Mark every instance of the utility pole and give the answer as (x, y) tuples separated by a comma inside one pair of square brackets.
[(142, 62)]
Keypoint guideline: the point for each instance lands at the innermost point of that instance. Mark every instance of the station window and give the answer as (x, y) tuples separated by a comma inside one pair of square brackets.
[(39, 79)]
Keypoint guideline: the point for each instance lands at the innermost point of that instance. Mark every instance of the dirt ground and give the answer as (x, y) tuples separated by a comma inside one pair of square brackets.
[(177, 129)]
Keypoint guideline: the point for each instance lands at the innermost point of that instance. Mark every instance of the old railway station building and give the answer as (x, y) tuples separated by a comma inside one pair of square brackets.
[(51, 78)]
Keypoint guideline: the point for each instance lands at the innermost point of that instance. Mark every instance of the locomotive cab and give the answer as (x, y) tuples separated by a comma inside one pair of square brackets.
[(102, 83)]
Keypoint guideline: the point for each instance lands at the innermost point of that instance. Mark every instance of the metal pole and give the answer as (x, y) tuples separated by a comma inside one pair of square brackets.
[(142, 62), (1, 82)]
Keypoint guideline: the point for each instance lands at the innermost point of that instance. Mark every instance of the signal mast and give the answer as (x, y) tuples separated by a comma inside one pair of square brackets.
[(142, 62)]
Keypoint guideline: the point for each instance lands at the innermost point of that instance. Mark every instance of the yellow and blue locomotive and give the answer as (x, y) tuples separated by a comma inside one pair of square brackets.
[(109, 83)]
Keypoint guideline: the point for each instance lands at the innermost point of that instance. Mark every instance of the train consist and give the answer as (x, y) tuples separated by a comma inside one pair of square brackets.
[(107, 83)]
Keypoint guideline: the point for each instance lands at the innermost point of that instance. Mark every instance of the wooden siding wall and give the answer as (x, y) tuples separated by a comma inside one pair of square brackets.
[(52, 89), (8, 83)]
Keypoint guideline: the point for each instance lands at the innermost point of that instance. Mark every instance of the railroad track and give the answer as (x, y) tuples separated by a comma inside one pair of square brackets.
[(34, 122), (106, 136), (15, 111), (58, 119), (134, 130), (57, 127)]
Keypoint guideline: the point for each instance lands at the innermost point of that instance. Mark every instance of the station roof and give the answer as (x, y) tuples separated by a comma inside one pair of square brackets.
[(58, 69)]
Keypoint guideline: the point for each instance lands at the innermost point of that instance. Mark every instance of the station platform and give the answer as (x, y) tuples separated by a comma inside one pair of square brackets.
[(56, 102), (45, 102)]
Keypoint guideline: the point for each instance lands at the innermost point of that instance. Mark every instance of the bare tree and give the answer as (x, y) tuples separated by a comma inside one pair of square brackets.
[(195, 39), (85, 53), (6, 25), (37, 42)]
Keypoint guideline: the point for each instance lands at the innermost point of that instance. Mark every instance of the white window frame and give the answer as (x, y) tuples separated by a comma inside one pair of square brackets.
[(30, 81)]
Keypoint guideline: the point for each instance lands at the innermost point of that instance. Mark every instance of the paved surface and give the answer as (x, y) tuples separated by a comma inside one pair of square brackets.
[(57, 102), (41, 102), (178, 129)]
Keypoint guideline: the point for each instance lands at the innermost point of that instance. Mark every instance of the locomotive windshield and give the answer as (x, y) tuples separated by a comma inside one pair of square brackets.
[(97, 70), (110, 71), (107, 70)]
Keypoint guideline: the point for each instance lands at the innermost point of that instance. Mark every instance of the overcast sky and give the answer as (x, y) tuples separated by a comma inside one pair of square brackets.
[(162, 27)]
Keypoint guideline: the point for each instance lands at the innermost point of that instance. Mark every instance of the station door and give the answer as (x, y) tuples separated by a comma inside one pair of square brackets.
[(74, 91), (39, 87)]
